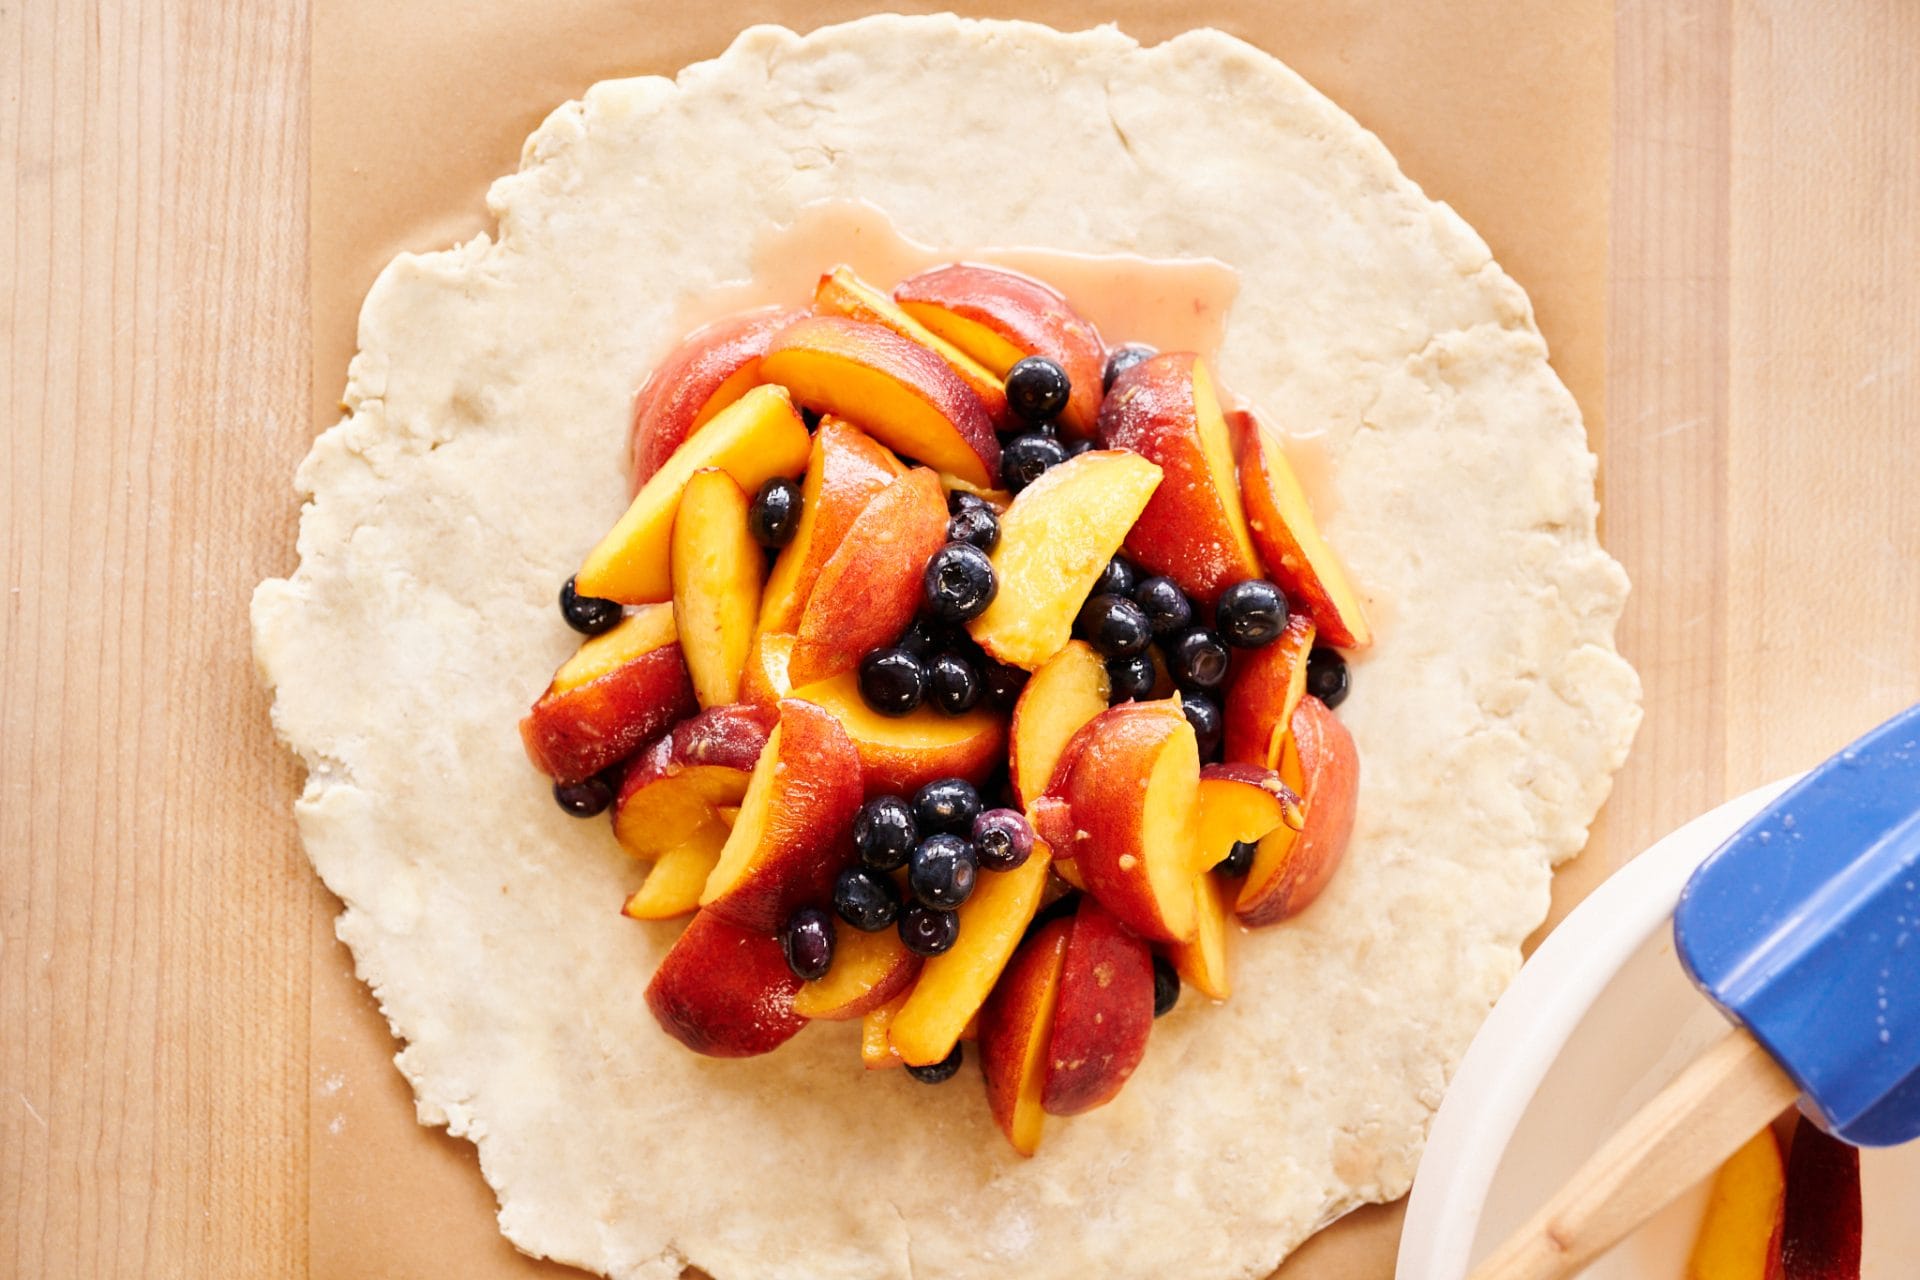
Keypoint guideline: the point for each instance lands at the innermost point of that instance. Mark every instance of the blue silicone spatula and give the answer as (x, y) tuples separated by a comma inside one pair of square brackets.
[(1804, 928)]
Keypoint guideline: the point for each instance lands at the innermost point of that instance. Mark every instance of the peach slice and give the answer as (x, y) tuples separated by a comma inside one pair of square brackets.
[(672, 887), (1290, 544), (1104, 1015), (869, 590), (1016, 1027), (1131, 793), (725, 990), (754, 439), (869, 969), (1820, 1225), (876, 1048), (842, 293), (1202, 963), (711, 368), (1241, 803), (1000, 317), (1063, 696), (795, 827), (765, 680), (716, 568), (897, 391), (618, 690), (1268, 684), (901, 754), (678, 784), (1054, 541), (1195, 529), (955, 984), (1740, 1236), (1322, 767), (845, 471)]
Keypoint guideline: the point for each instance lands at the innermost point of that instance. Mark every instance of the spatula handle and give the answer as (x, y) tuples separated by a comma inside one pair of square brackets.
[(1722, 1099)]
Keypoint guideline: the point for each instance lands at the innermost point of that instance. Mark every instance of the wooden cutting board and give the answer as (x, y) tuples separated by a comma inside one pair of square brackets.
[(170, 997)]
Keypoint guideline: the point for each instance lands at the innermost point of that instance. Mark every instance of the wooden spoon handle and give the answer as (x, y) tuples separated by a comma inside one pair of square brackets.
[(1721, 1100)]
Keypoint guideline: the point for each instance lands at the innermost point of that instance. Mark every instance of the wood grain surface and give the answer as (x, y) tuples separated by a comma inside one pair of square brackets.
[(157, 920)]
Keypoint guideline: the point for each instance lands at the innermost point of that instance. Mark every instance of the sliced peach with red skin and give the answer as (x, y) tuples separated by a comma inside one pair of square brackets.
[(765, 681), (1064, 696), (843, 293), (754, 439), (870, 589), (620, 689), (1240, 804), (1000, 317), (876, 1048), (795, 827), (717, 569), (1290, 543), (677, 785), (845, 470), (672, 887), (1195, 528), (1739, 1237), (1202, 963), (1820, 1228), (1104, 1015), (712, 367), (1016, 1027), (725, 990), (895, 390), (1055, 539), (1320, 765), (956, 983), (1132, 792), (869, 969), (901, 754), (1268, 683)]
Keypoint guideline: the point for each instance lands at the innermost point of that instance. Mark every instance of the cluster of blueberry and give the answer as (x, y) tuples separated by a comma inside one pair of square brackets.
[(944, 839), (1037, 390)]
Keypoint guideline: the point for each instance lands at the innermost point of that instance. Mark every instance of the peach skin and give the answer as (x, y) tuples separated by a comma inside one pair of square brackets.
[(1016, 1026), (711, 368), (724, 990), (1322, 767), (1268, 684), (1104, 1014), (617, 691), (676, 786), (844, 472), (1290, 543)]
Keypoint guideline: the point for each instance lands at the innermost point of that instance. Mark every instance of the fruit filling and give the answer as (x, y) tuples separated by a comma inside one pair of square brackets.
[(957, 675)]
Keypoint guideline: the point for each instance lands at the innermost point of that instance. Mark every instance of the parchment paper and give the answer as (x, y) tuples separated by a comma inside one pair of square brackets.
[(1502, 108)]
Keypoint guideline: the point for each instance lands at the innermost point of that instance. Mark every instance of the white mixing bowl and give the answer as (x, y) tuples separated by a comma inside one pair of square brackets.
[(1596, 1023)]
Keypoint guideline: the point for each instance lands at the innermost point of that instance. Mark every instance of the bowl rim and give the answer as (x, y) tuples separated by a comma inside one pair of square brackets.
[(1524, 1034)]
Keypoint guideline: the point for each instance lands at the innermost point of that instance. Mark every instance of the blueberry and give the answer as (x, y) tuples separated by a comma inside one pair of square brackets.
[(1026, 458), (892, 681), (959, 500), (1168, 610), (1250, 613), (1114, 625), (1327, 677), (1003, 839), (1166, 987), (1119, 578), (1204, 715), (1198, 659), (954, 683), (946, 806), (589, 615), (1239, 859), (1130, 679), (1037, 389), (941, 872), (808, 942), (585, 798), (1078, 447), (884, 833), (926, 931), (959, 583), (976, 526), (866, 899), (775, 512), (943, 1070), (926, 637), (1121, 359), (1004, 684)]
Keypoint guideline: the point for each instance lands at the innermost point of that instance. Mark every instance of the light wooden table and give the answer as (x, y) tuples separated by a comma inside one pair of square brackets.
[(156, 918)]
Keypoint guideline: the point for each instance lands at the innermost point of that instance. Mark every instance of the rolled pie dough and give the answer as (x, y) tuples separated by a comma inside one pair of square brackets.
[(482, 454)]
